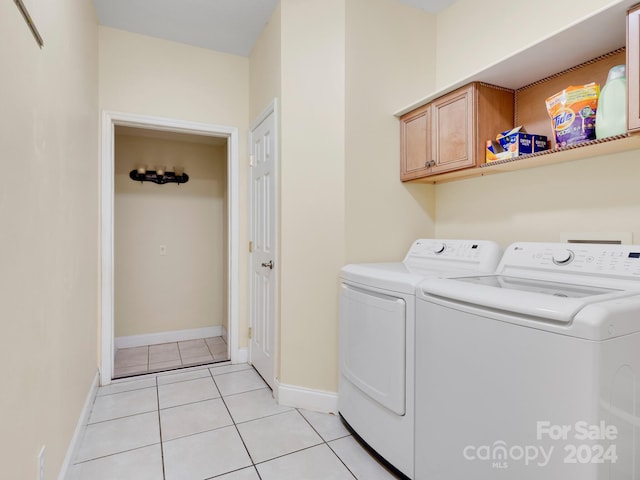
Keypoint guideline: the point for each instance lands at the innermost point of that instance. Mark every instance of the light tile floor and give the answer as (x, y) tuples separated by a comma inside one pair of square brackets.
[(166, 356), (213, 422)]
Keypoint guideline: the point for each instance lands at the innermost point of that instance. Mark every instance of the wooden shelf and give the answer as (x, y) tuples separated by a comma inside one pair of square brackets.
[(606, 146)]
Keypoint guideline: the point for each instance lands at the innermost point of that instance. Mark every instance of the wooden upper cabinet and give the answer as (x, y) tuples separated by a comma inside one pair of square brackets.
[(633, 69), (415, 143), (453, 131), (450, 133)]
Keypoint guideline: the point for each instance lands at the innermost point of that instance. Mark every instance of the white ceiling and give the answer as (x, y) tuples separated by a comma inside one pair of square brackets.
[(230, 26)]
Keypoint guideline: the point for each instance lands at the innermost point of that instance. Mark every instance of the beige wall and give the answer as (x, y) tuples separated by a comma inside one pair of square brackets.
[(148, 76), (311, 188), (592, 195), (265, 66), (49, 206), (334, 66), (183, 289), (470, 36), (390, 58)]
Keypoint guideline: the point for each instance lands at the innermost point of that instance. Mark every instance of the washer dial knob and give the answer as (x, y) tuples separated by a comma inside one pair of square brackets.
[(438, 248), (562, 257)]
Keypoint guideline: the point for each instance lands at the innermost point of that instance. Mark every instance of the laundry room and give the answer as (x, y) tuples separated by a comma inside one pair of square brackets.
[(95, 260)]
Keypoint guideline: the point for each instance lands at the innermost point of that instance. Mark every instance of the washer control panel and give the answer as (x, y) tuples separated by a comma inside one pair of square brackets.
[(590, 259), (562, 256)]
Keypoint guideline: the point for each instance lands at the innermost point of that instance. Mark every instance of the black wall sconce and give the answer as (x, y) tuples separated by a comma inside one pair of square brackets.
[(159, 175)]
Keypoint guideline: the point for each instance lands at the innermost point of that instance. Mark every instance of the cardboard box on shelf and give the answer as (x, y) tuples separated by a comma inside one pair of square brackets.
[(513, 143), (522, 143)]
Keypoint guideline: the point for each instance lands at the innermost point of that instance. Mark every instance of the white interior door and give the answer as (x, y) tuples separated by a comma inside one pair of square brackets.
[(263, 256)]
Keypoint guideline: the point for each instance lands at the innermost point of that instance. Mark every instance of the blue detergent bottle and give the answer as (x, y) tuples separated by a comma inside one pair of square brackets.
[(611, 114)]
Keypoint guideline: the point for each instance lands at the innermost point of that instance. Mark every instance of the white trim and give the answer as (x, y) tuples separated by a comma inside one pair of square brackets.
[(166, 337), (83, 420), (271, 108), (301, 397), (106, 207), (242, 356), (109, 120)]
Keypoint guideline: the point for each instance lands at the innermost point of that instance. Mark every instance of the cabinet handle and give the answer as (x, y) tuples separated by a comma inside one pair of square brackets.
[(429, 163)]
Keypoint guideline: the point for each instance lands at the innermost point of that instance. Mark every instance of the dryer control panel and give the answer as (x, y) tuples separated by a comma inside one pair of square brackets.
[(584, 260), (481, 255)]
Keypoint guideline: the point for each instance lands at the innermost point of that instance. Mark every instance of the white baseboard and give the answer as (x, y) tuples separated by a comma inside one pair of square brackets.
[(167, 337), (80, 426), (241, 355), (301, 397)]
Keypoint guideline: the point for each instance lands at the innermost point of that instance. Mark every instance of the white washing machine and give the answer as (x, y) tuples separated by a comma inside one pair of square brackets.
[(376, 340), (532, 373)]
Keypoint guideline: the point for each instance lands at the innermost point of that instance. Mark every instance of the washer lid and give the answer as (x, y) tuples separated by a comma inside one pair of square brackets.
[(556, 289), (555, 301)]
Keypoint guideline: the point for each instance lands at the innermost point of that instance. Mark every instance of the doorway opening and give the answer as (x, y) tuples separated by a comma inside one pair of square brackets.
[(169, 251)]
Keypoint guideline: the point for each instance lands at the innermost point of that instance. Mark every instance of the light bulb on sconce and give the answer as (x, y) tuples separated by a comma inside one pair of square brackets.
[(160, 169), (142, 169), (178, 171)]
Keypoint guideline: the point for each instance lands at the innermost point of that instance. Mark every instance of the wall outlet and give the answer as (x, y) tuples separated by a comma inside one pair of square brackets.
[(163, 249), (41, 464)]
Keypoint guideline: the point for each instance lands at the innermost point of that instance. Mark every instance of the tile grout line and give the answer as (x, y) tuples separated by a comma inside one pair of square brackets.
[(341, 461), (160, 430), (104, 395), (235, 425), (298, 451), (264, 416), (88, 460), (180, 353), (209, 349), (327, 443), (120, 418)]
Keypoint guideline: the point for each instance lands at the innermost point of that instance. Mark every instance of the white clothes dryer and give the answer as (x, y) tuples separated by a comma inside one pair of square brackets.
[(532, 373), (376, 340)]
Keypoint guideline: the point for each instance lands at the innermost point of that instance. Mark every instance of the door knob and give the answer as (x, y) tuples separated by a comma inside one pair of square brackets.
[(268, 264)]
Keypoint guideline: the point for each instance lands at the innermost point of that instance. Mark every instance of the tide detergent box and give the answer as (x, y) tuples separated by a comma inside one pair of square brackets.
[(519, 142)]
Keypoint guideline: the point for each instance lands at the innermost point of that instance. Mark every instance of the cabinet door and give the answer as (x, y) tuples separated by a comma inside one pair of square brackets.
[(415, 143), (633, 69), (453, 135)]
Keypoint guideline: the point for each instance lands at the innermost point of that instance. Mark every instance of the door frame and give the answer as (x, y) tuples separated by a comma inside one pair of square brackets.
[(110, 120), (272, 108)]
